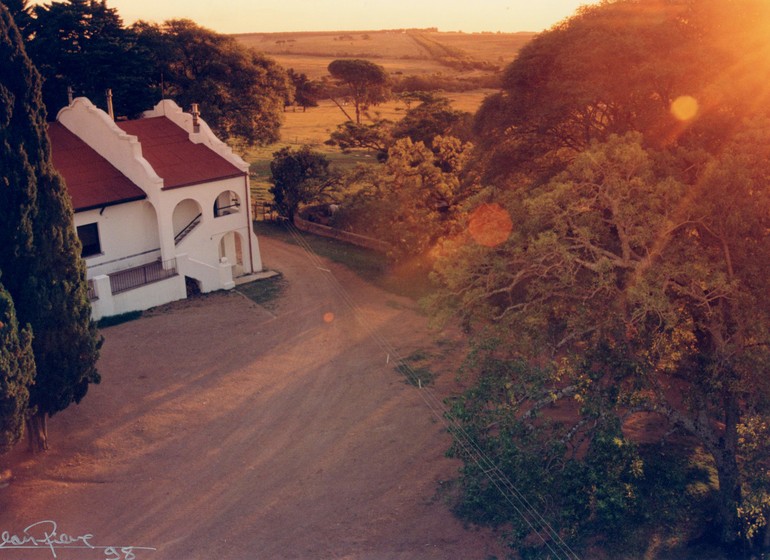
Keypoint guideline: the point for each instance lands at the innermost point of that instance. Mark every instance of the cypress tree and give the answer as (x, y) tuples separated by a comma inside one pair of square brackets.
[(17, 372), (39, 249)]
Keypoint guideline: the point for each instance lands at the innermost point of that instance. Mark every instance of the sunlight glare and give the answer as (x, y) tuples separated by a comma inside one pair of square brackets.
[(684, 107), (328, 317), (490, 225)]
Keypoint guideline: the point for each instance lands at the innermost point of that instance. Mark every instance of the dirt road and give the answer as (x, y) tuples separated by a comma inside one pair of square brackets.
[(222, 430)]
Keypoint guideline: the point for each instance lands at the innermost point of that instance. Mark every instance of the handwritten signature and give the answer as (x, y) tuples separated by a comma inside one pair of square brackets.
[(45, 535)]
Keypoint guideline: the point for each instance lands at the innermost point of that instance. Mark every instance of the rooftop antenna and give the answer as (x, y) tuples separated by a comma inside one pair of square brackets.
[(70, 95)]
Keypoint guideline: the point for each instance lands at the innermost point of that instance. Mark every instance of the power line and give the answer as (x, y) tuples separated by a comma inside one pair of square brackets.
[(512, 495)]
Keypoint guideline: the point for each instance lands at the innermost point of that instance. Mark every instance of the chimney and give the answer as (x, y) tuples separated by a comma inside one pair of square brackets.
[(110, 110), (195, 115)]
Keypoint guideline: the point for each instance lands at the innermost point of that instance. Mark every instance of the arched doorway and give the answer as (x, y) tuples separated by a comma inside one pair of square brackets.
[(231, 247)]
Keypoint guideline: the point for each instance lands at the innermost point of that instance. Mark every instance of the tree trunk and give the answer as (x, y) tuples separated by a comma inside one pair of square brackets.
[(728, 499), (729, 496), (37, 432)]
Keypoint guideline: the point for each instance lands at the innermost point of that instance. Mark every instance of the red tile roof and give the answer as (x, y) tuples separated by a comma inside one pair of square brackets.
[(91, 180), (174, 157)]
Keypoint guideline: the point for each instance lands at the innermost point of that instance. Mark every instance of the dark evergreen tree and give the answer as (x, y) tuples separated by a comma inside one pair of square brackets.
[(20, 11), (17, 372), (39, 249), (82, 44)]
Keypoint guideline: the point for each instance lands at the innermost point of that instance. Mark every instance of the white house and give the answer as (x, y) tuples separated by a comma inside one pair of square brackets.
[(157, 200)]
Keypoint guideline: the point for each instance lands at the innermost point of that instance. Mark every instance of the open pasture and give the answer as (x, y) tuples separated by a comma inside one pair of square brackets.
[(408, 52), (315, 66), (313, 127), (338, 44)]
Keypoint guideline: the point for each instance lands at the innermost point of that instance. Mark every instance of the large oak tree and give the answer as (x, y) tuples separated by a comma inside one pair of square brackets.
[(632, 278), (241, 92), (619, 66)]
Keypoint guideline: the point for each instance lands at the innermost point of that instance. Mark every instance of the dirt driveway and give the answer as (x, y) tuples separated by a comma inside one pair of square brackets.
[(222, 430)]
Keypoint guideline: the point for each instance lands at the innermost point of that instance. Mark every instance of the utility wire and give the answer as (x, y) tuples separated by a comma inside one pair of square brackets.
[(512, 495)]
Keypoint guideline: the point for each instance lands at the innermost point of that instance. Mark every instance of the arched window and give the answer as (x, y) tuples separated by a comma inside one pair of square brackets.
[(226, 203)]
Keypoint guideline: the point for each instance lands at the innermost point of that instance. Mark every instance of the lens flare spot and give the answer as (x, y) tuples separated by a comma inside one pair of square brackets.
[(490, 225), (328, 317), (684, 108)]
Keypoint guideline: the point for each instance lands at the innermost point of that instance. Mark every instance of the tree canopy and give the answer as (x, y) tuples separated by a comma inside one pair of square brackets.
[(365, 83), (83, 45), (619, 66), (645, 293), (433, 116), (410, 200), (628, 155), (299, 177), (306, 91), (241, 92)]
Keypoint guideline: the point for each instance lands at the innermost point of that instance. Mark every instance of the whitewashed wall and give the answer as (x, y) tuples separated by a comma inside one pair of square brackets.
[(138, 299), (140, 232), (128, 235)]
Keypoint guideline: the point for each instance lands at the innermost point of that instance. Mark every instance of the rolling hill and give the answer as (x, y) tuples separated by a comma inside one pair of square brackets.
[(402, 52)]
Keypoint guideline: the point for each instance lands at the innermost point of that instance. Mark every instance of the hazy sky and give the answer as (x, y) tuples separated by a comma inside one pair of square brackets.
[(239, 16)]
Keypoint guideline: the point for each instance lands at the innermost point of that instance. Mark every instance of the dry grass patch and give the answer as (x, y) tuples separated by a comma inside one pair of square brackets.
[(410, 52), (337, 44)]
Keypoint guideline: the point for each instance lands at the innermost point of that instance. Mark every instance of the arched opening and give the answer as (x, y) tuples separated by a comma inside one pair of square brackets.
[(187, 215), (231, 247), (227, 203)]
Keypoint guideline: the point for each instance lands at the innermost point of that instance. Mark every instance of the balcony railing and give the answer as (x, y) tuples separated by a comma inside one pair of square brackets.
[(220, 211), (142, 275)]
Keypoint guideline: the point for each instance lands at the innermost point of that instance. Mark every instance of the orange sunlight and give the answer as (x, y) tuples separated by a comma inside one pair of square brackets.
[(684, 108)]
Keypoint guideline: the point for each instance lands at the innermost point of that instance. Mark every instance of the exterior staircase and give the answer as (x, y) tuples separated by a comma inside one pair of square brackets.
[(187, 229)]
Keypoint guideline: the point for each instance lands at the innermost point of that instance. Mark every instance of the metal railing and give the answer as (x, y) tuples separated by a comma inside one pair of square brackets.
[(142, 275), (225, 210), (187, 229)]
